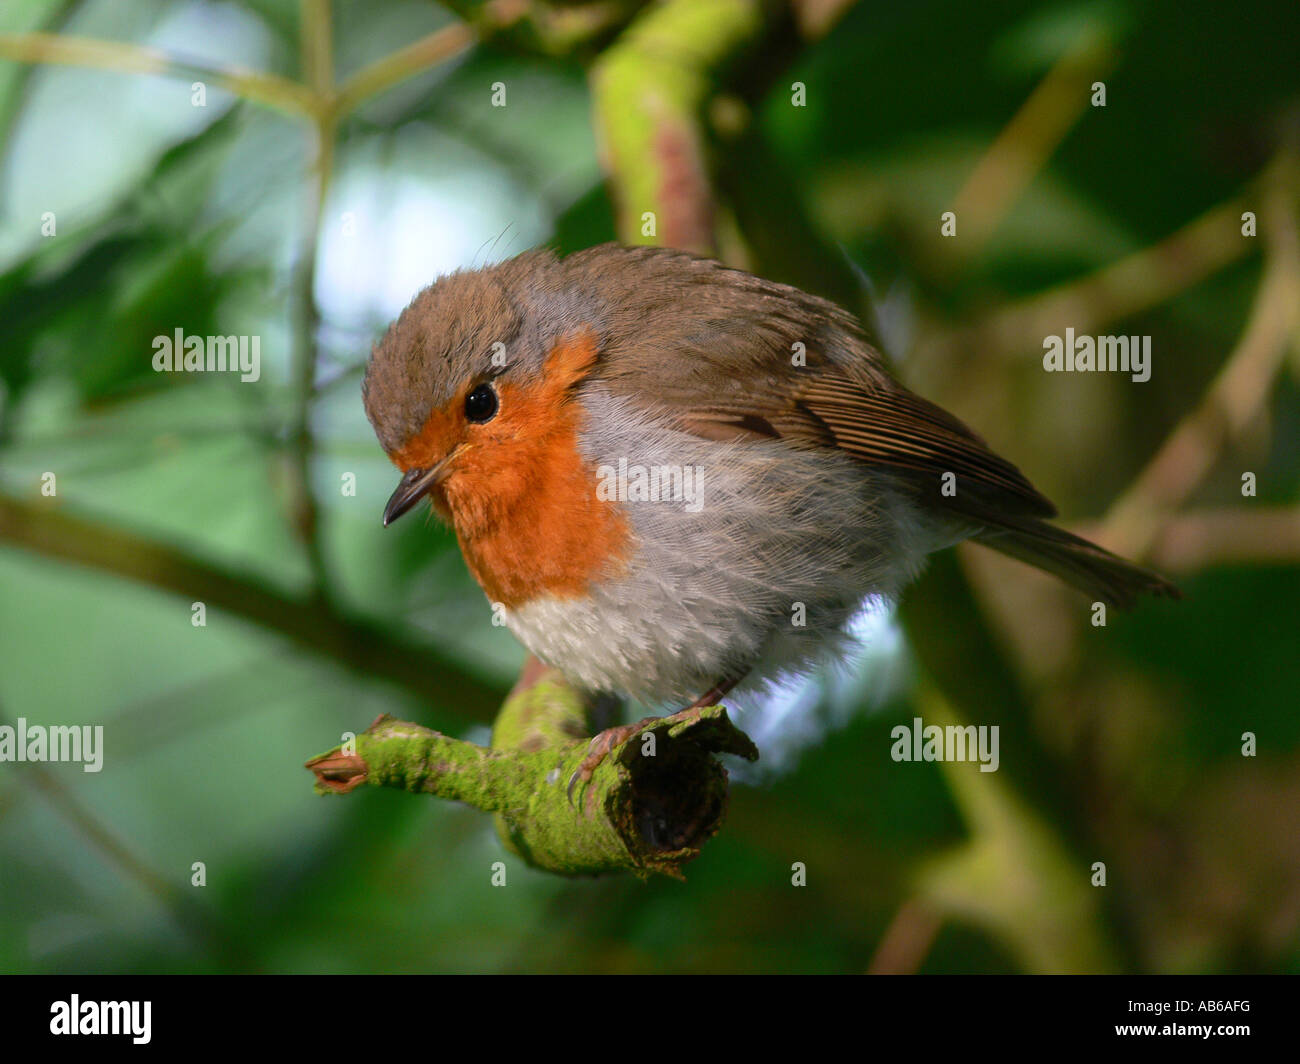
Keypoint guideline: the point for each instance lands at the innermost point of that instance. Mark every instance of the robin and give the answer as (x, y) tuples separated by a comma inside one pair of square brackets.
[(673, 475)]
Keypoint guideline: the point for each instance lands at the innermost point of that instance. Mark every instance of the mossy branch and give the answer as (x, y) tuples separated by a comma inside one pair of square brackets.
[(648, 92), (656, 90), (648, 807)]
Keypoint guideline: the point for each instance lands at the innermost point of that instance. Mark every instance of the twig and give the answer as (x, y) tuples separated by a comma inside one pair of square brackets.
[(1028, 140), (638, 813), (197, 919), (310, 99), (1233, 400), (1014, 876), (907, 940), (1144, 279), (415, 58), (318, 71), (1190, 542), (268, 90), (649, 90)]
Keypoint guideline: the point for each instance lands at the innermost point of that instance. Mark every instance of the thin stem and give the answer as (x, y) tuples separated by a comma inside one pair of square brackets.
[(1233, 400), (198, 920), (1029, 139), (318, 70), (268, 90), (415, 58), (316, 46), (1121, 289)]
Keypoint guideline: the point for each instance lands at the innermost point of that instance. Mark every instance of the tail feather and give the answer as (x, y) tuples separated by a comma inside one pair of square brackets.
[(1082, 564)]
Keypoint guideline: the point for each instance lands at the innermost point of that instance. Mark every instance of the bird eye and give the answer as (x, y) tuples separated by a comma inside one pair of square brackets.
[(481, 404)]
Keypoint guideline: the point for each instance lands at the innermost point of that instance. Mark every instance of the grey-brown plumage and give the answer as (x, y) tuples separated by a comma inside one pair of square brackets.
[(697, 360)]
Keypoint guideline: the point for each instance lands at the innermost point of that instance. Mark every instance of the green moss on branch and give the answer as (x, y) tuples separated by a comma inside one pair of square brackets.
[(648, 807)]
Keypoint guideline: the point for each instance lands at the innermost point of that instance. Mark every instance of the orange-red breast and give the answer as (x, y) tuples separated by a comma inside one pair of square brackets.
[(673, 475)]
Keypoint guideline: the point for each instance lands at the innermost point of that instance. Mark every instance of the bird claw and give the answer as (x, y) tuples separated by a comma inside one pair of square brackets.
[(600, 747), (612, 738)]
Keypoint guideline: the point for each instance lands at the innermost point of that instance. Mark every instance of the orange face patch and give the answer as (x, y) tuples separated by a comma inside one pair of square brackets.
[(519, 494)]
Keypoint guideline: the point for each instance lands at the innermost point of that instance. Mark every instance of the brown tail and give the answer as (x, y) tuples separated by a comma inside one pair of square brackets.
[(1079, 563)]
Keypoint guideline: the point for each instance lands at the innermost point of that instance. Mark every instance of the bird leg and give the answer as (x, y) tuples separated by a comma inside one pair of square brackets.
[(612, 738)]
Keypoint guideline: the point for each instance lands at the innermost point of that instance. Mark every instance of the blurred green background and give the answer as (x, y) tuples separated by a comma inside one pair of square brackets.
[(338, 158)]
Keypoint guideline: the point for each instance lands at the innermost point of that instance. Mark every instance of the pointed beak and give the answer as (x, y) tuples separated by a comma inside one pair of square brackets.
[(413, 486)]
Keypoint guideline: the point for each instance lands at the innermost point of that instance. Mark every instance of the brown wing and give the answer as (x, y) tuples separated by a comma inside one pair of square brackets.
[(898, 428), (712, 347)]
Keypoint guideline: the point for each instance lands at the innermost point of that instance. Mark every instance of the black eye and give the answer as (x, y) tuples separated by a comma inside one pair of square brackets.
[(481, 404)]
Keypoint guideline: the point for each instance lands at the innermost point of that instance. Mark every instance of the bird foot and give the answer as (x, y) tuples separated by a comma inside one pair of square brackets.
[(612, 738), (599, 748)]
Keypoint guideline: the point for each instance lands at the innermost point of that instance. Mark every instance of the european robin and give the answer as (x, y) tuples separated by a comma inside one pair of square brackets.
[(673, 475)]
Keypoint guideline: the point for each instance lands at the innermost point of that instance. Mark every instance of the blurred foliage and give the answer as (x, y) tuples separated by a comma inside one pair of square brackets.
[(1122, 744)]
